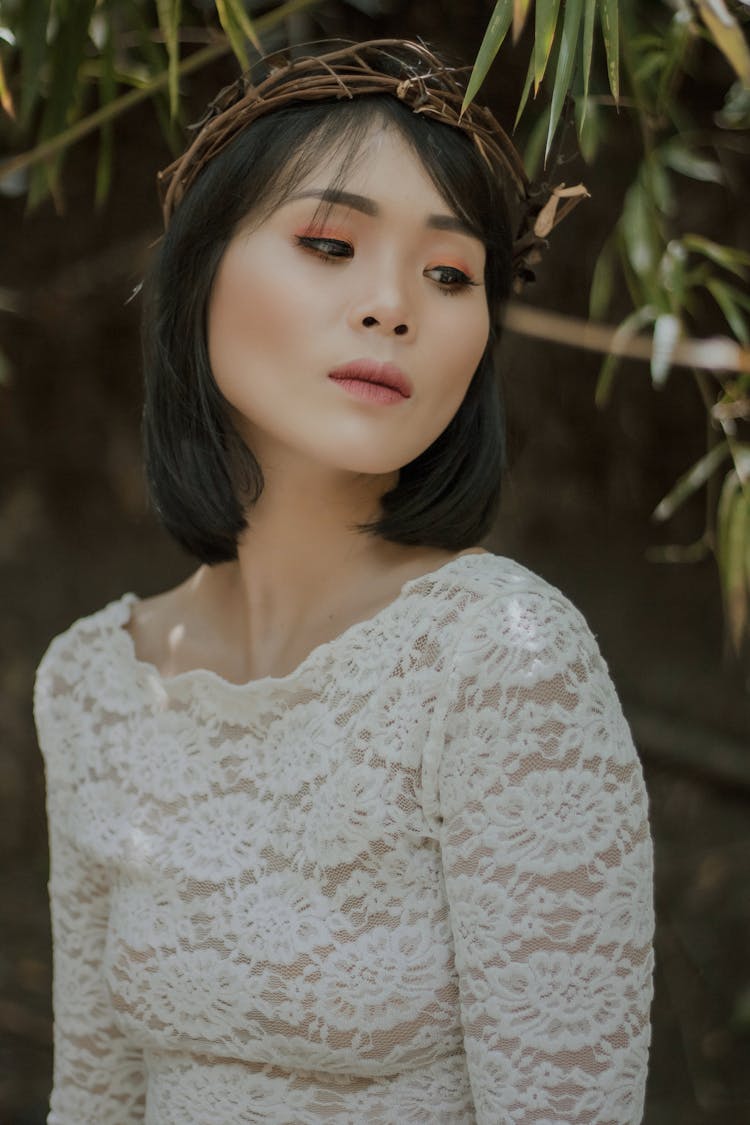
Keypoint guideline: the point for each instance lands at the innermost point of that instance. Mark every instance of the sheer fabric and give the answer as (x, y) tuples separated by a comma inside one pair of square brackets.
[(409, 882)]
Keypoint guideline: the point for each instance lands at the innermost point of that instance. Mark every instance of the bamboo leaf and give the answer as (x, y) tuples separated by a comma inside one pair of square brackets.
[(733, 543), (602, 281), (51, 147), (155, 57), (587, 47), (565, 63), (107, 92), (678, 156), (679, 41), (728, 257), (652, 63), (496, 31), (629, 327), (672, 272), (169, 12), (696, 476), (244, 23), (610, 18), (525, 92), (661, 187), (723, 294), (6, 98), (741, 458), (588, 123), (728, 36), (667, 333), (740, 297), (520, 12), (534, 148), (233, 32), (735, 113), (544, 33), (33, 38), (729, 490), (67, 53), (640, 231)]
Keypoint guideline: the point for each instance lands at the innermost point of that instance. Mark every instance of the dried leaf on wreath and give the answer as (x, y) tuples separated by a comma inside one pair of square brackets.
[(552, 212)]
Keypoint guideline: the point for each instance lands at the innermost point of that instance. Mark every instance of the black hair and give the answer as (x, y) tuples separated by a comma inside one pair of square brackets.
[(203, 478)]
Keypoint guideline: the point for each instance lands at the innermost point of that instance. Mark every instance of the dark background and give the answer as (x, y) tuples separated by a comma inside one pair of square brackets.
[(76, 532)]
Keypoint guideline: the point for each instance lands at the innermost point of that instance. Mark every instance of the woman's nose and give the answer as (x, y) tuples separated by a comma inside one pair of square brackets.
[(385, 306), (400, 329)]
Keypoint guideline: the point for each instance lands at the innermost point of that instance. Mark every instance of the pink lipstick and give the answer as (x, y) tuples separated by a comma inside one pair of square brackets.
[(372, 381)]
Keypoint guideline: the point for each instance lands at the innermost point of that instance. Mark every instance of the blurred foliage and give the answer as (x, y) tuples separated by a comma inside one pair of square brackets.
[(652, 50), (597, 65)]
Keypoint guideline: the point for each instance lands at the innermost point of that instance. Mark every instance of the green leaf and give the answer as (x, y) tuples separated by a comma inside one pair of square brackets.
[(169, 12), (534, 149), (588, 123), (244, 23), (629, 327), (33, 38), (735, 113), (544, 33), (733, 545), (233, 31), (6, 98), (525, 92), (565, 63), (587, 47), (496, 31), (602, 281), (679, 38), (640, 231), (667, 333), (520, 12), (610, 18), (66, 54), (678, 156), (724, 295), (107, 93), (673, 272), (651, 63), (728, 36), (691, 481), (660, 185), (156, 59), (728, 257)]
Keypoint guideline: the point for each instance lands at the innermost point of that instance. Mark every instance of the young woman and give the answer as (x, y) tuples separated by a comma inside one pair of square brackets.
[(349, 826)]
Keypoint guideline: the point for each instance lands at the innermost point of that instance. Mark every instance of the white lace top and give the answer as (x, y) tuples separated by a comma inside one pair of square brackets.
[(408, 882)]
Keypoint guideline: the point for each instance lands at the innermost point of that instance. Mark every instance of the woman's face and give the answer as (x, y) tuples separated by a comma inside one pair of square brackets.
[(386, 275)]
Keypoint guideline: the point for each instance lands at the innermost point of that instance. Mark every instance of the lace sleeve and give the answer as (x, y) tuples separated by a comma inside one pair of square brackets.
[(99, 1077), (548, 870)]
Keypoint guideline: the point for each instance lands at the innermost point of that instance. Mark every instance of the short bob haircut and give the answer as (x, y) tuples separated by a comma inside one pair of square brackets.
[(203, 478)]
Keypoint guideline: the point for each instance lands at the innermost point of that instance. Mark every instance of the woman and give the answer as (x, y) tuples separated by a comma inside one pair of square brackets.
[(348, 827)]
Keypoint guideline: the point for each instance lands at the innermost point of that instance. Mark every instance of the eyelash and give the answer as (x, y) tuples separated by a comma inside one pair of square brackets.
[(330, 250)]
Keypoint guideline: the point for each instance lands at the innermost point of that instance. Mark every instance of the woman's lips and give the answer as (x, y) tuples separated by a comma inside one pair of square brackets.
[(376, 382)]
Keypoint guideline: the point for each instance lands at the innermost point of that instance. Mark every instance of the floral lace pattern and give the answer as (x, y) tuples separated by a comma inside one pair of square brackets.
[(409, 882)]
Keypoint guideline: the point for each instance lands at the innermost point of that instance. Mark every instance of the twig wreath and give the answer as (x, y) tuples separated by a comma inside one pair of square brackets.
[(406, 70)]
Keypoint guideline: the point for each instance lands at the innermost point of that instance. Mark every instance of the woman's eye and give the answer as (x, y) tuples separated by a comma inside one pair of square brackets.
[(327, 248), (450, 278)]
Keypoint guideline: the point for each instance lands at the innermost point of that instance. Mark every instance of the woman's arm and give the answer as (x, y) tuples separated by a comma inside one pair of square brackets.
[(548, 871), (99, 1076)]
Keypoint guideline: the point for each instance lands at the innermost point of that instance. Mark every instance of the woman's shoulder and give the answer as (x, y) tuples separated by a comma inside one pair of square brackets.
[(512, 614), (499, 584), (89, 648), (92, 628)]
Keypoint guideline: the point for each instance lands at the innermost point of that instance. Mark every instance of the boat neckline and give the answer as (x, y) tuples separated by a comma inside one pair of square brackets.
[(191, 675)]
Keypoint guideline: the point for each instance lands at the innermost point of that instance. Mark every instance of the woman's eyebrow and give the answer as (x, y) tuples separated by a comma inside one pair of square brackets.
[(366, 206)]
